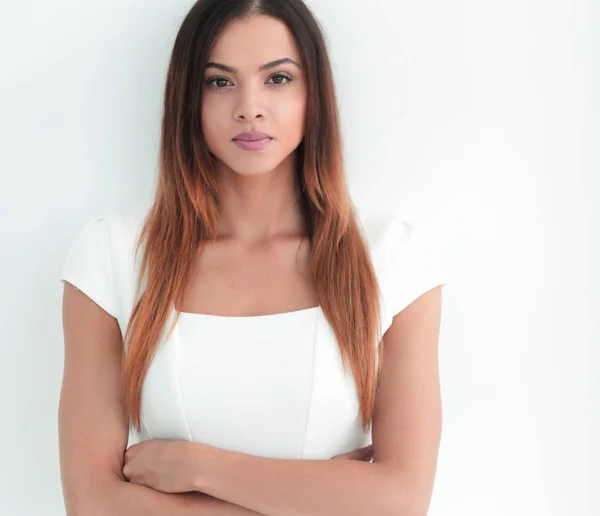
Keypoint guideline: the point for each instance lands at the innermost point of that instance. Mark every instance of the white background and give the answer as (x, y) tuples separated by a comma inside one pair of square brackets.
[(478, 117)]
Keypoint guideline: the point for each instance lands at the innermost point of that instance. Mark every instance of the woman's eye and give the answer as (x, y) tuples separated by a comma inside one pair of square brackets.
[(282, 76), (219, 80)]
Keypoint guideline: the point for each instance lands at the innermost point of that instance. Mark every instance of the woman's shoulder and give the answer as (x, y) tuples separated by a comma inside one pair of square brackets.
[(124, 227), (385, 230), (397, 240), (125, 223), (406, 256), (100, 257)]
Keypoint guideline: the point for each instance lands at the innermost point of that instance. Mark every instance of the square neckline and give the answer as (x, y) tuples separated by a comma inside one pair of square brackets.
[(290, 313)]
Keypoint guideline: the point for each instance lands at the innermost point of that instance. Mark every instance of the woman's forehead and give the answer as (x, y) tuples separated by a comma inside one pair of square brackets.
[(250, 43)]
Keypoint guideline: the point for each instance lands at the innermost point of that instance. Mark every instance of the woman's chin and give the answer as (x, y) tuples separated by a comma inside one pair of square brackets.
[(252, 172), (251, 167)]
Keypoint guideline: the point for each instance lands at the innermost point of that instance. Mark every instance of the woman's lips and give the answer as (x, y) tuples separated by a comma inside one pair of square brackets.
[(253, 145)]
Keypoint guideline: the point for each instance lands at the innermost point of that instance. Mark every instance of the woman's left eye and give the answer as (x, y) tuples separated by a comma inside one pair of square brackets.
[(282, 76)]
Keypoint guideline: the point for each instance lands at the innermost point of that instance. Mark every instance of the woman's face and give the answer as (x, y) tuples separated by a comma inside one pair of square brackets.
[(238, 96)]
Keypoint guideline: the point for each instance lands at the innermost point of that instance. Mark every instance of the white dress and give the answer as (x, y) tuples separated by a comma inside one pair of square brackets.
[(269, 385)]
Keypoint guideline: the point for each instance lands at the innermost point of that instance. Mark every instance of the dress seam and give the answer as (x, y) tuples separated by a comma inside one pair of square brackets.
[(312, 384), (185, 421)]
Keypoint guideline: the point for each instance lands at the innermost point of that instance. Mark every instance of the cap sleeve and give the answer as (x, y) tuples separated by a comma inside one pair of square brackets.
[(414, 264), (88, 264)]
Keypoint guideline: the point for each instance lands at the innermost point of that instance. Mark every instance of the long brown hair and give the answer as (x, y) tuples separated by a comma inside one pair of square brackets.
[(183, 216)]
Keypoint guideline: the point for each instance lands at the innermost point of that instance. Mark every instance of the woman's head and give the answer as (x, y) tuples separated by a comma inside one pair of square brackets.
[(300, 113)]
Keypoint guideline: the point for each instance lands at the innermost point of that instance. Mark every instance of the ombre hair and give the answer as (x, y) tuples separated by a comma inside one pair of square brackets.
[(183, 216)]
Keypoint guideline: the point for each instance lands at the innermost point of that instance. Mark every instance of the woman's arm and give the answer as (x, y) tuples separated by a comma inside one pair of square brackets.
[(120, 498), (93, 428)]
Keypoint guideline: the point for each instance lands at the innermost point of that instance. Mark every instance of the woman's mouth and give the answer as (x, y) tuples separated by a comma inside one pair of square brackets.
[(253, 145)]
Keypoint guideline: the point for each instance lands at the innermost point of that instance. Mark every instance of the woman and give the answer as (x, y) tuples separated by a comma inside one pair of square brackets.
[(237, 324)]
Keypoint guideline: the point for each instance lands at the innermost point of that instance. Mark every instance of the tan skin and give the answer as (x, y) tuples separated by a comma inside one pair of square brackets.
[(260, 261)]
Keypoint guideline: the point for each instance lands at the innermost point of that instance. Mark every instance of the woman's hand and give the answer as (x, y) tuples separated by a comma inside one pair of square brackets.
[(365, 454), (170, 466)]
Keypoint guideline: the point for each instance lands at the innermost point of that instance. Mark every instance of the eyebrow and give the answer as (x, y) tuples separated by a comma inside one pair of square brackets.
[(266, 66)]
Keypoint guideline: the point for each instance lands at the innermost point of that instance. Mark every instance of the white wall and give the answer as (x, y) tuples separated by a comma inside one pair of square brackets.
[(478, 117)]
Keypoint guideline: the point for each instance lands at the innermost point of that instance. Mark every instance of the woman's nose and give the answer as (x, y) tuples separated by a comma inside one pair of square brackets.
[(250, 105), (249, 114)]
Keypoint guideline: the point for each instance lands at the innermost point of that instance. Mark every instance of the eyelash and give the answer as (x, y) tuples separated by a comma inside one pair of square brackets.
[(213, 79)]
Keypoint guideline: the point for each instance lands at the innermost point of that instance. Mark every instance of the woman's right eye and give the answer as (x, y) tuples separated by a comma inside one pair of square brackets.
[(219, 80)]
